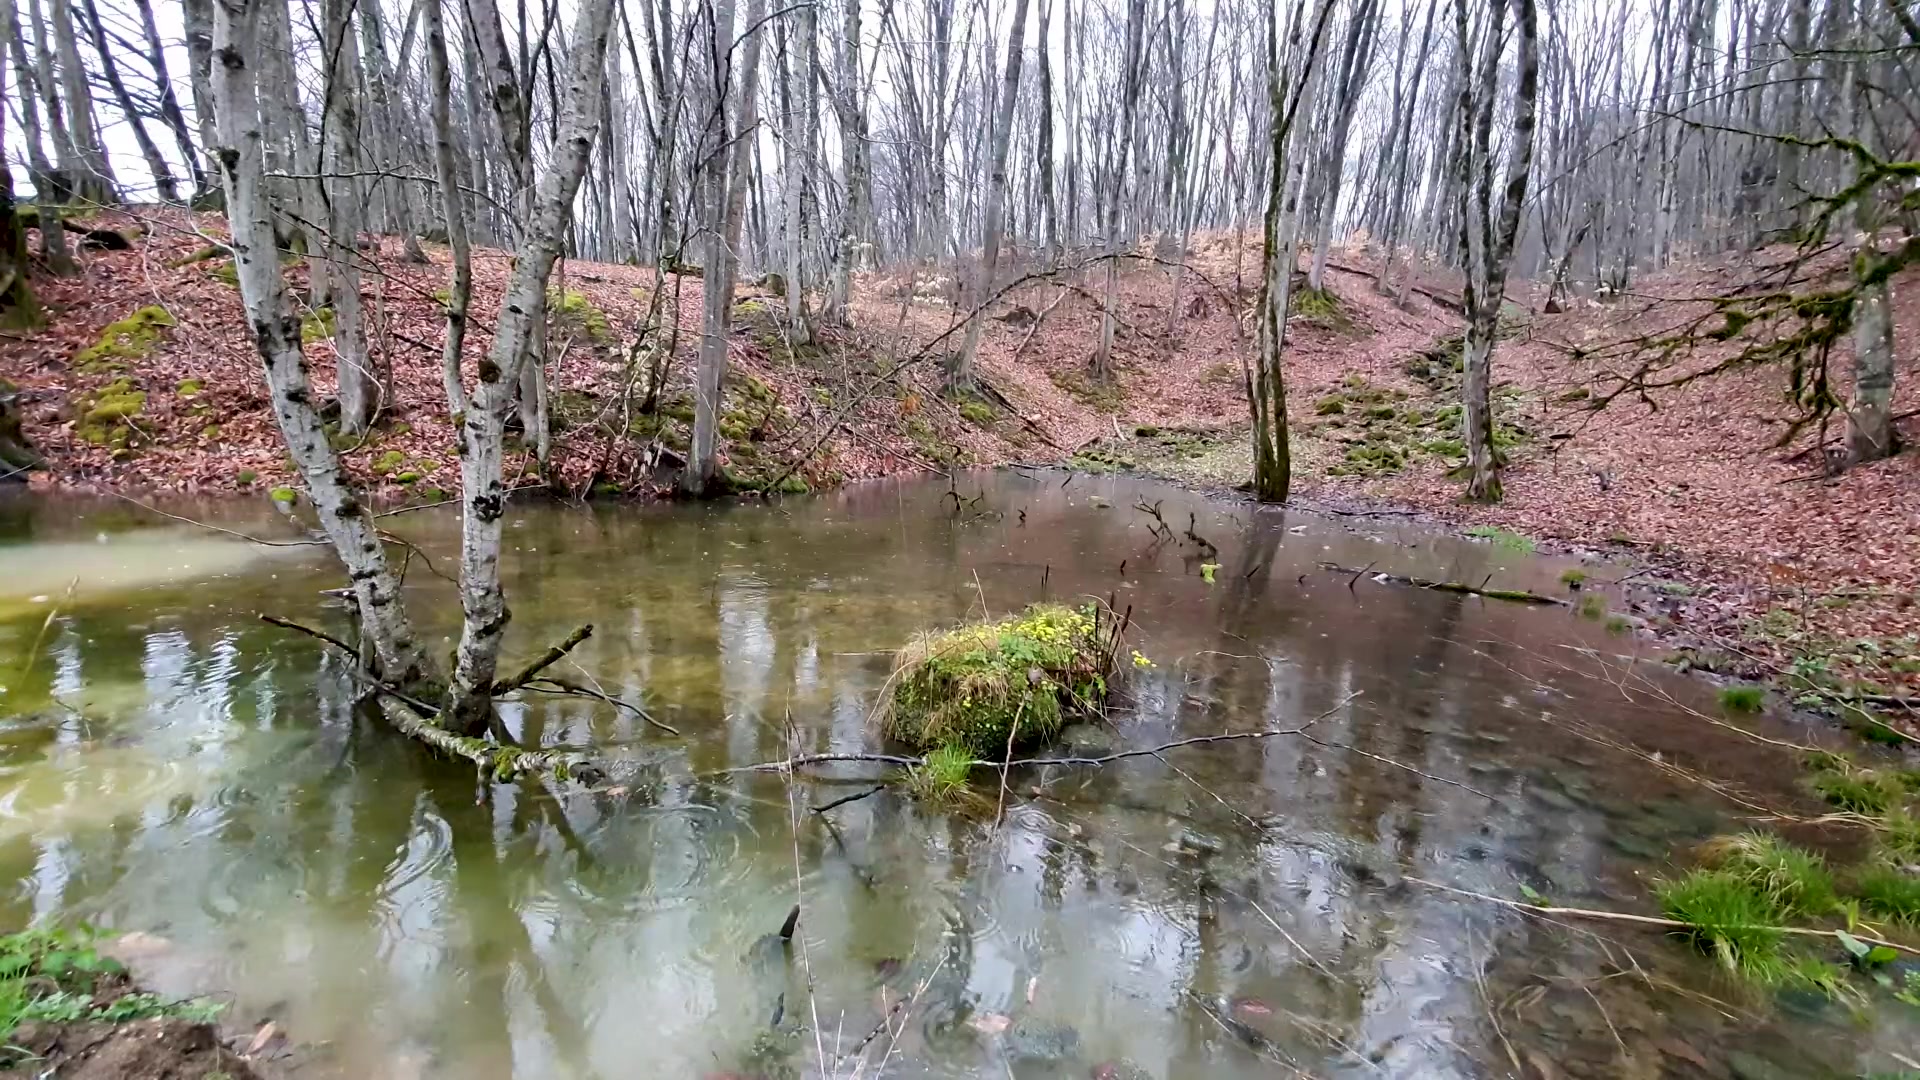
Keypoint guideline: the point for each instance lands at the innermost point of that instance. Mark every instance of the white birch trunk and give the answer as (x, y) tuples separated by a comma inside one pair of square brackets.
[(276, 332), (522, 308)]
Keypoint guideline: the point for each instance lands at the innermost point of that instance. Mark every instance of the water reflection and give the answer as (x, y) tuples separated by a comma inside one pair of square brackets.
[(173, 766)]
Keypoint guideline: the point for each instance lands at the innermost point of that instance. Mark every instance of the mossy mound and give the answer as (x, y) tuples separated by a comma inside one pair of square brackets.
[(127, 339), (968, 688)]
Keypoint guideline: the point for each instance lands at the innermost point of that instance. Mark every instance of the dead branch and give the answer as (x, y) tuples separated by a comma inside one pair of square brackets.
[(1650, 920), (1518, 596), (545, 660), (289, 624), (566, 686)]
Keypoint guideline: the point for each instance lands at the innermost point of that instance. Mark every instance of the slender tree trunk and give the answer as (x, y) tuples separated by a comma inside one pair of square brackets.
[(94, 182), (1049, 204), (522, 307), (960, 369), (197, 16), (275, 326), (360, 387), (1485, 288), (170, 113), (162, 173), (1130, 95), (1266, 381), (447, 171), (728, 191), (49, 185)]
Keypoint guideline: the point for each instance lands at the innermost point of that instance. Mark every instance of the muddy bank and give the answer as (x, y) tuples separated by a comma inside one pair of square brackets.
[(162, 1048)]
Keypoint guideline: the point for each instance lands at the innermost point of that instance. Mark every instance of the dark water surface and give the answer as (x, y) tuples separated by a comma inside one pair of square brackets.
[(1246, 908)]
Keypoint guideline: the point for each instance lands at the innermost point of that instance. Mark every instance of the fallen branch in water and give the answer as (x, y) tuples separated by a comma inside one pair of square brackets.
[(845, 799), (421, 720), (545, 660), (1518, 596), (550, 684), (1653, 920), (289, 624)]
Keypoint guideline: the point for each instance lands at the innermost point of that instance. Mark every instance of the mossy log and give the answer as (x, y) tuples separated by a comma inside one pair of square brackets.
[(980, 685)]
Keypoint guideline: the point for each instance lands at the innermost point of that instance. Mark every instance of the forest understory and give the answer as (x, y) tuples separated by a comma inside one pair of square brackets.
[(1745, 552)]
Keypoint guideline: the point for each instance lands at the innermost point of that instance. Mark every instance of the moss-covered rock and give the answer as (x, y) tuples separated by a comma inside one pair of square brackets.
[(970, 686), (317, 325)]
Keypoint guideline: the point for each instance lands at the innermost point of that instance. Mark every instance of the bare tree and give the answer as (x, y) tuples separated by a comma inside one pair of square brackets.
[(960, 368)]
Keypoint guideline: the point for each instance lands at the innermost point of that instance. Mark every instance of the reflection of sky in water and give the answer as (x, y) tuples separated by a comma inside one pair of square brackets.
[(205, 781)]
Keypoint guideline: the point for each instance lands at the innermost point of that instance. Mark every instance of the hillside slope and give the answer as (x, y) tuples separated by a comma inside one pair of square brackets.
[(145, 380)]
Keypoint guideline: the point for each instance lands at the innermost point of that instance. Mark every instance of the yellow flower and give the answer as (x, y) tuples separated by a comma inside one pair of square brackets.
[(1141, 661)]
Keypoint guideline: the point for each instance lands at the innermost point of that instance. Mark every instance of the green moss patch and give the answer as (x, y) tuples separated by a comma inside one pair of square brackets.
[(130, 338), (1102, 397), (575, 310), (969, 687), (316, 326)]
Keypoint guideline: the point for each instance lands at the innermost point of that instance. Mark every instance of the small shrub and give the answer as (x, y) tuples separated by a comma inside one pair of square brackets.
[(968, 688), (1726, 917), (1793, 879), (1890, 893), (1744, 698)]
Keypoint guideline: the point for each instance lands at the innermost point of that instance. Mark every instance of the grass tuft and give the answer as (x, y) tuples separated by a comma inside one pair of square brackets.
[(942, 777), (1505, 539), (1792, 879), (1890, 893), (1729, 918), (1744, 698), (1593, 606), (1573, 577), (1861, 791)]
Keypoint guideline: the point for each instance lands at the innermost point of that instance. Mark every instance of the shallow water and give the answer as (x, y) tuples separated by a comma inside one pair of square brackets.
[(1246, 908)]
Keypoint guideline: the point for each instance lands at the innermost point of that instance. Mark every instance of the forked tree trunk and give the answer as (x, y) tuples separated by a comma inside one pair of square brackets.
[(1487, 242)]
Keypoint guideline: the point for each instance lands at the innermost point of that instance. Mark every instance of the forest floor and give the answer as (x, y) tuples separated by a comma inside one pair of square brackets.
[(145, 380)]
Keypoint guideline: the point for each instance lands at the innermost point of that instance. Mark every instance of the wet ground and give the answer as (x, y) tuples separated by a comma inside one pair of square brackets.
[(172, 766)]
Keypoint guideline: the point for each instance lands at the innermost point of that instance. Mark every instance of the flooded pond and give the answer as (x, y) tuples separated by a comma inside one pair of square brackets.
[(170, 765)]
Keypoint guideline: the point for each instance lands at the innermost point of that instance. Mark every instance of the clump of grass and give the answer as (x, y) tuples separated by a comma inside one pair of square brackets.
[(1890, 893), (1744, 697), (1618, 624), (1900, 837), (974, 687), (1862, 791), (942, 776), (1505, 539), (1593, 606), (1729, 918), (1792, 879), (1573, 577)]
